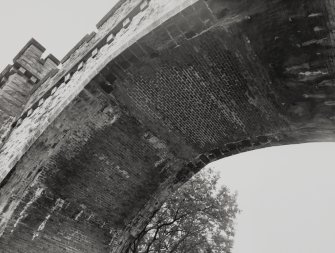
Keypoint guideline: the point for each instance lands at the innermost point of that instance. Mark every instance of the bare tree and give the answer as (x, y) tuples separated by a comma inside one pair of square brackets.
[(198, 218)]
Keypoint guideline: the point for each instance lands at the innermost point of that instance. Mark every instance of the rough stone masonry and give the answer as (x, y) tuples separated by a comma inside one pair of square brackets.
[(93, 144)]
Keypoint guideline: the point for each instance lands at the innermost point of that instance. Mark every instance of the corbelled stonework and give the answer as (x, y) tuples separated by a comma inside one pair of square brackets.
[(93, 146)]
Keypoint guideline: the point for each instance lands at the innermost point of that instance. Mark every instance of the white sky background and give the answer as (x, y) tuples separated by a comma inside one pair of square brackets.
[(286, 193), (287, 197)]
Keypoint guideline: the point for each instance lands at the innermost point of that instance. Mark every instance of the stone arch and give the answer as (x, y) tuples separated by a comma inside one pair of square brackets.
[(151, 98)]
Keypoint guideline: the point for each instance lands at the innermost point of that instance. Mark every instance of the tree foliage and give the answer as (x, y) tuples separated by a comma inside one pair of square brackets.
[(198, 218)]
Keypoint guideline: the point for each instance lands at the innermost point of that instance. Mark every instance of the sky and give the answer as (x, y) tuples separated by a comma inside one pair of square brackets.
[(286, 193)]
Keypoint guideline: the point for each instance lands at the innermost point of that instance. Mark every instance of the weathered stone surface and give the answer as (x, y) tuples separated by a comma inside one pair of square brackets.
[(162, 89)]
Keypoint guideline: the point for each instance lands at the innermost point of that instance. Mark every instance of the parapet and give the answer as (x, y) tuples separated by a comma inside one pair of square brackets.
[(18, 80), (110, 13), (30, 58), (87, 38), (29, 62), (83, 44)]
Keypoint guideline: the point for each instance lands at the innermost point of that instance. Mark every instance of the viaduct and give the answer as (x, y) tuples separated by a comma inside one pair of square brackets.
[(93, 144)]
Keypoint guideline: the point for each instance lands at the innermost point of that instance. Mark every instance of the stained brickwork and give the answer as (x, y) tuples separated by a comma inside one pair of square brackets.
[(160, 90), (200, 80)]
